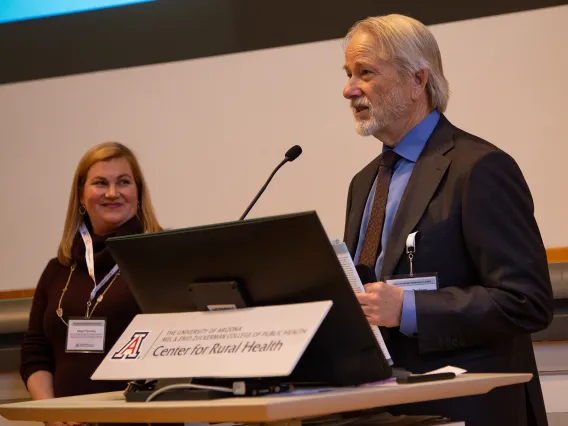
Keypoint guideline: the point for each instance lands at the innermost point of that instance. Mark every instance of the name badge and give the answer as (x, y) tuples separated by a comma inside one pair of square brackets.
[(412, 281), (416, 282), (86, 335)]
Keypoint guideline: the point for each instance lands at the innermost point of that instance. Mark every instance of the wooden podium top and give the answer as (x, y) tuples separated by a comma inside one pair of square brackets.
[(112, 407)]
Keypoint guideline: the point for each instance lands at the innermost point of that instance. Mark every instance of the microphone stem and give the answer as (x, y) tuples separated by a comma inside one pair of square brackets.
[(262, 189)]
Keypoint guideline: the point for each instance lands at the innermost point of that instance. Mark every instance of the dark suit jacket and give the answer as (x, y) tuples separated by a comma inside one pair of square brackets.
[(474, 213)]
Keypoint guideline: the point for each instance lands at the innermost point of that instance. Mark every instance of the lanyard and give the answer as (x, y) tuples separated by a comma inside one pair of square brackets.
[(91, 264), (89, 313)]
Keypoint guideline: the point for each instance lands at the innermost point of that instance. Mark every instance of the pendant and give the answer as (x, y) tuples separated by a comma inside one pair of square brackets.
[(100, 299), (59, 312)]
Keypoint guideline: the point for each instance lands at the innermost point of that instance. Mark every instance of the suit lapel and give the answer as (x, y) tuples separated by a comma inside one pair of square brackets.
[(426, 176), (361, 188)]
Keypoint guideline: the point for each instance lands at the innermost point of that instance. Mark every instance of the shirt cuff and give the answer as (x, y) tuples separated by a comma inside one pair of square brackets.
[(408, 324)]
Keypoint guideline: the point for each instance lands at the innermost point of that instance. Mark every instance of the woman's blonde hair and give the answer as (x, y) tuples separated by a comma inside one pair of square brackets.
[(103, 152)]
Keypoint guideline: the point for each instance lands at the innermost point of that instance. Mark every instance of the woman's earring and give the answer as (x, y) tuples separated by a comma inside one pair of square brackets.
[(82, 210)]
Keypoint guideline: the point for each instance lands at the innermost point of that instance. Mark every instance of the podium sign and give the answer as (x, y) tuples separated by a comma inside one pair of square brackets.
[(251, 342)]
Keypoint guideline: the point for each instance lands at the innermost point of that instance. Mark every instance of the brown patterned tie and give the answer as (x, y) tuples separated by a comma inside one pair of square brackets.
[(372, 240)]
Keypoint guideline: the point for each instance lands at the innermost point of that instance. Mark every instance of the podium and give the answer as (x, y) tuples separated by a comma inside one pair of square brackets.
[(278, 410), (269, 287)]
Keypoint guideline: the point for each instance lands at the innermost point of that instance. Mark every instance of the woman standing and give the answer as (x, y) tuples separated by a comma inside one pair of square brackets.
[(82, 286)]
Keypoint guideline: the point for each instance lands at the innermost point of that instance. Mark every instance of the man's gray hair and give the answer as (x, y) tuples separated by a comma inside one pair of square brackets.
[(411, 46)]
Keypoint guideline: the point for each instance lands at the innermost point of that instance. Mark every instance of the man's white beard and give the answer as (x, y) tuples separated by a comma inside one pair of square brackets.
[(369, 126), (394, 108)]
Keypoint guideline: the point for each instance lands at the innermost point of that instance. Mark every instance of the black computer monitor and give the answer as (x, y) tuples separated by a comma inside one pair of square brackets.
[(258, 262)]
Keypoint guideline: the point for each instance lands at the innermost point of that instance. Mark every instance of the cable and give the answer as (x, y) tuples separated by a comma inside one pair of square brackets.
[(239, 388), (186, 386)]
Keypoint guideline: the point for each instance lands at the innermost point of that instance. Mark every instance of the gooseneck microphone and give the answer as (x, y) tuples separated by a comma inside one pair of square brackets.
[(290, 155)]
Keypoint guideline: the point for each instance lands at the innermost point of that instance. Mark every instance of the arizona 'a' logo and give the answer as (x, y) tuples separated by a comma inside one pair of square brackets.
[(131, 349)]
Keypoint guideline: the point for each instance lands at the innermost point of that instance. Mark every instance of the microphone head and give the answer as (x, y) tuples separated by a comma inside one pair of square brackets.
[(293, 153)]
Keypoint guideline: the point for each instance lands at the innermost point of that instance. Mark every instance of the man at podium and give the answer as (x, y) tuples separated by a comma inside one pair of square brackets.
[(444, 221)]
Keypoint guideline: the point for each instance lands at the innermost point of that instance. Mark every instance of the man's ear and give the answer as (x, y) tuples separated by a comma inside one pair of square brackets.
[(419, 81)]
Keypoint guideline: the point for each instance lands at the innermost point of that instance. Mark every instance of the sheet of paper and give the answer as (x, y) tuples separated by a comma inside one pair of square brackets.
[(448, 369), (351, 273)]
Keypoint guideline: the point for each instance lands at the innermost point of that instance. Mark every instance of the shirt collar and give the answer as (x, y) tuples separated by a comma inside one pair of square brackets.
[(412, 144)]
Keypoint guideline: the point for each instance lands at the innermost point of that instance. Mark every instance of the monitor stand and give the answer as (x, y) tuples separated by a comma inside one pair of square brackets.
[(217, 295)]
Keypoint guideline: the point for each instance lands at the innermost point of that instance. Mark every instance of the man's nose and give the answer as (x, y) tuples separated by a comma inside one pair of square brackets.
[(351, 90)]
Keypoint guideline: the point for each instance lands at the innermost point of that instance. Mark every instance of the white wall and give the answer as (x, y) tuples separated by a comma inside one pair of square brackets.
[(208, 132)]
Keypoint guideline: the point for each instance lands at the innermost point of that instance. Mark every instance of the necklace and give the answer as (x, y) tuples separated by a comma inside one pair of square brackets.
[(88, 313)]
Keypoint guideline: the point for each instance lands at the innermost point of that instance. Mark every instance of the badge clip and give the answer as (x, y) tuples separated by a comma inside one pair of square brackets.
[(410, 250)]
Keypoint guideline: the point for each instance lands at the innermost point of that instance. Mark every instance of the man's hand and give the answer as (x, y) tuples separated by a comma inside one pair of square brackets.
[(382, 304)]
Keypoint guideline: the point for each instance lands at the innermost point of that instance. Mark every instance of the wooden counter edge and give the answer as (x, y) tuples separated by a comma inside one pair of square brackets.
[(557, 254), (259, 410)]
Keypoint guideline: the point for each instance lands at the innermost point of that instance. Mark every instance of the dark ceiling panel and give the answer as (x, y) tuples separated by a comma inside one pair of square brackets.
[(172, 30)]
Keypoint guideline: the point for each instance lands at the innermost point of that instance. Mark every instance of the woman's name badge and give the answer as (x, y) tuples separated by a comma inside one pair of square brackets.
[(86, 335)]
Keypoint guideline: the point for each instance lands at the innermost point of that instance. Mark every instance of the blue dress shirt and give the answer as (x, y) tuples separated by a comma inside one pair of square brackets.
[(409, 149)]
